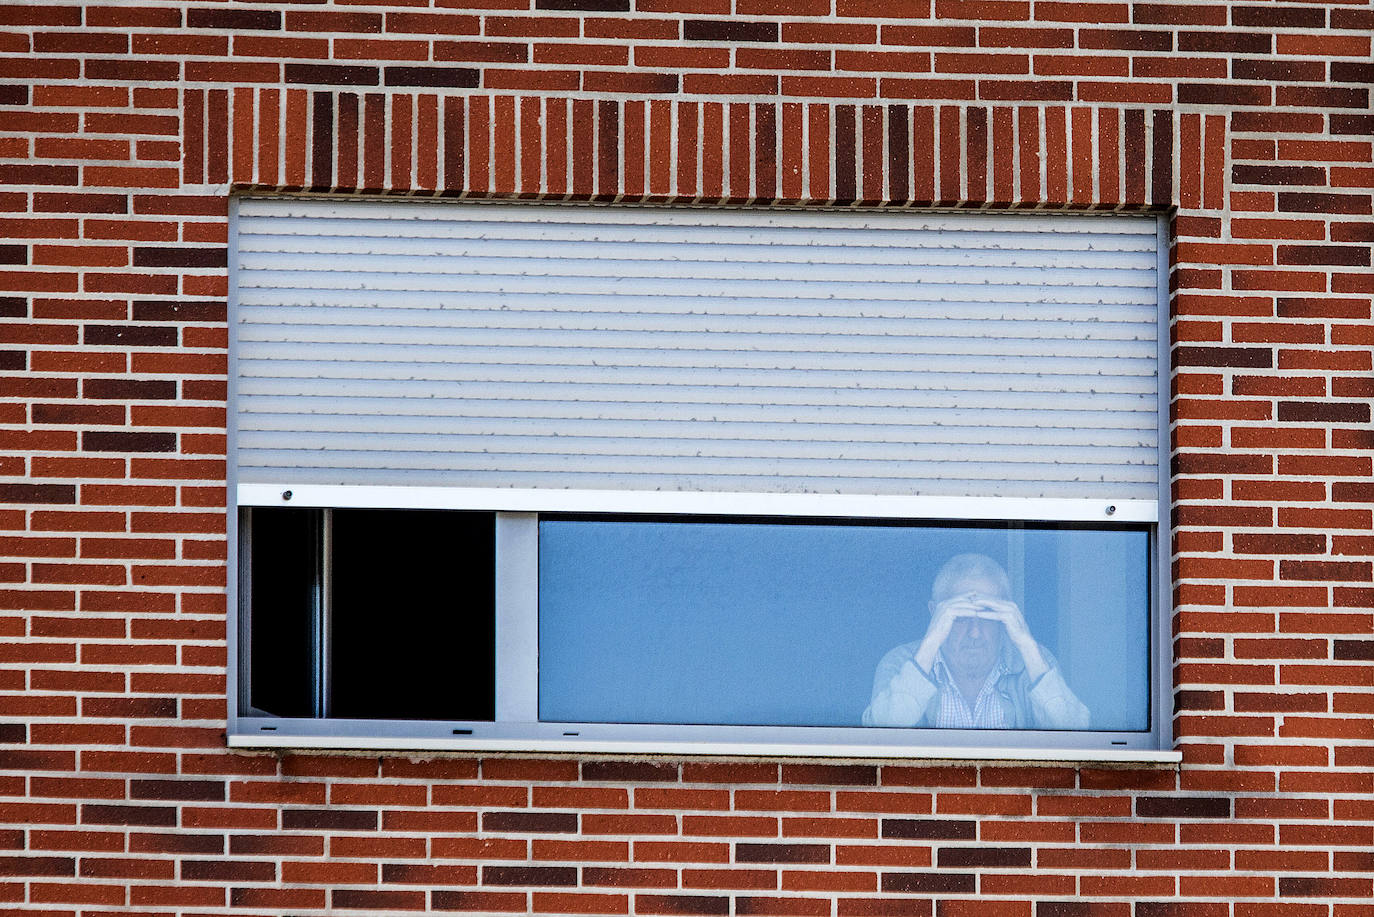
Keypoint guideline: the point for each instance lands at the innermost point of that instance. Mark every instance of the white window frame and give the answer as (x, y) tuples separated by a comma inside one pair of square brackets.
[(516, 727)]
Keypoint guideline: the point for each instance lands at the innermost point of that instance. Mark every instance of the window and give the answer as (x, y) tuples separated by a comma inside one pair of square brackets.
[(592, 478), (370, 614)]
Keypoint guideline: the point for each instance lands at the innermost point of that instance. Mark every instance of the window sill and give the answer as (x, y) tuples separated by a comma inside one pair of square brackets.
[(582, 745)]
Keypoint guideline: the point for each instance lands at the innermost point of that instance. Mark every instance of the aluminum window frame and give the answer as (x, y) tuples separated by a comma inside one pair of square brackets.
[(517, 512)]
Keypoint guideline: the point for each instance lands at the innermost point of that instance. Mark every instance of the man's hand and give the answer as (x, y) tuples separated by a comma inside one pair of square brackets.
[(1009, 613), (975, 605), (942, 620)]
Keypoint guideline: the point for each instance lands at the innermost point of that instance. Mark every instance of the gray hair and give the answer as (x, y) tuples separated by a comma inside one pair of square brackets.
[(963, 567)]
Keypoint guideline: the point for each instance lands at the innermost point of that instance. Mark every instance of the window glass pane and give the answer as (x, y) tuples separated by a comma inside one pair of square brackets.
[(413, 615), (281, 645), (822, 624)]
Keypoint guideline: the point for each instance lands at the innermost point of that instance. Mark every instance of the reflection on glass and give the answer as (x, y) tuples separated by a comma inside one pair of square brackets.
[(827, 624), (977, 667)]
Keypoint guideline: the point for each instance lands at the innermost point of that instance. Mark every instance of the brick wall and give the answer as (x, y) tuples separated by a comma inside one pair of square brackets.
[(123, 128)]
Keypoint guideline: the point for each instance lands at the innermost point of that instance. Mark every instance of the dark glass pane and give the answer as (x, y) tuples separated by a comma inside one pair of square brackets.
[(283, 556), (413, 619), (812, 624)]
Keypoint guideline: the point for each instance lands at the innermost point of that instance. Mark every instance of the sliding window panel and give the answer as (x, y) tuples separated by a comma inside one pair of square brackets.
[(412, 615), (284, 626), (813, 623)]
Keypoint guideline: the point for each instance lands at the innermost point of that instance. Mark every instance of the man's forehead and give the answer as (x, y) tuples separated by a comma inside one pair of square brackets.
[(976, 583)]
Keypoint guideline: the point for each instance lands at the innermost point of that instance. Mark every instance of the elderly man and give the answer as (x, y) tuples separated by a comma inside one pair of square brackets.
[(977, 667)]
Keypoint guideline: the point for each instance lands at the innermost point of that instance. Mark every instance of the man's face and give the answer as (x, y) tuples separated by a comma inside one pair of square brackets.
[(974, 644)]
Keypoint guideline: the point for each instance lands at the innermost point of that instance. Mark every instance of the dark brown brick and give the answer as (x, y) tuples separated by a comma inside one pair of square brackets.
[(1346, 125), (721, 30), (24, 174), (329, 819), (529, 875), (629, 771), (16, 759), (36, 866), (186, 790), (831, 774), (1352, 232), (1352, 492), (1323, 202), (488, 902), (975, 857), (585, 6), (129, 389), (37, 493), (1276, 17), (1247, 357), (1328, 570), (530, 822), (366, 900), (846, 188), (682, 904), (1162, 175), (1353, 19), (1277, 71), (14, 254), (233, 20), (1126, 39), (1353, 650), (129, 335), (1324, 886), (1278, 175), (179, 310), (79, 202), (13, 360), (332, 74), (111, 441), (1351, 72), (930, 829), (930, 882), (1226, 42), (1199, 700), (449, 77), (1080, 909), (1177, 14), (228, 871), (13, 733), (14, 307), (1324, 411), (148, 816), (138, 71), (1183, 807), (151, 256), (14, 94), (1338, 255), (782, 853), (1223, 94), (322, 142)]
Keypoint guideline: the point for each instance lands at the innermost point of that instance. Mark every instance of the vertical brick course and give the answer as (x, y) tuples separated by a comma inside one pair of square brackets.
[(124, 130)]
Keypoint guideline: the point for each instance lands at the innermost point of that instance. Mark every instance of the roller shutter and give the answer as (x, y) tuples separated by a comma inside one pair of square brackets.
[(626, 348)]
